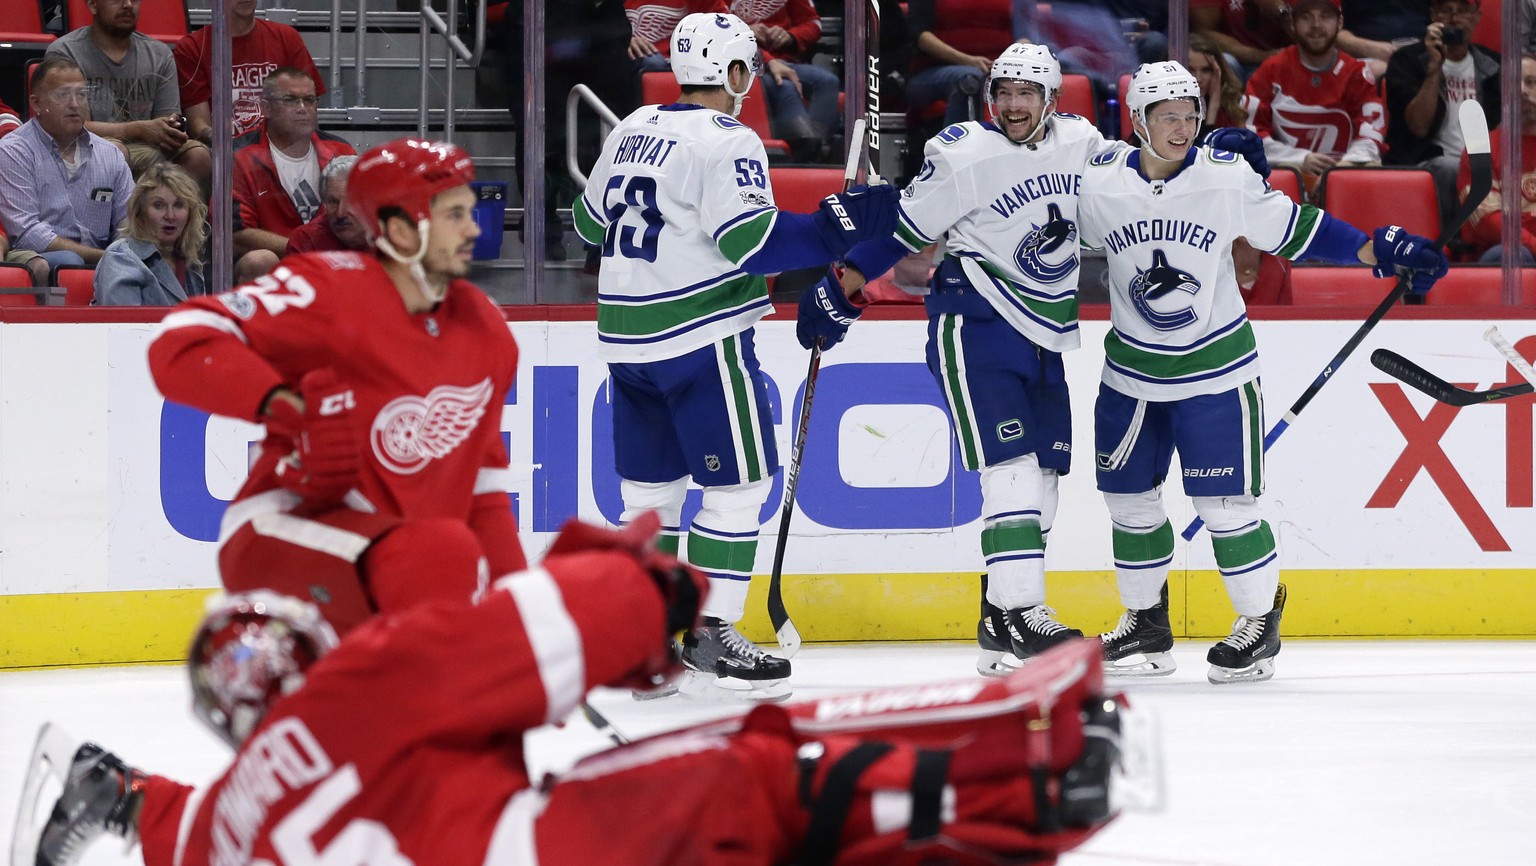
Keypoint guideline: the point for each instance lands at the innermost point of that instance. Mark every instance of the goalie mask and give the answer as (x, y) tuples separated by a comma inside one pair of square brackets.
[(704, 46), (251, 649), (1156, 82)]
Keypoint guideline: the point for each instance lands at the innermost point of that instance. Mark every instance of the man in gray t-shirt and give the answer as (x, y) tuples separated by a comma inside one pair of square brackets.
[(135, 102)]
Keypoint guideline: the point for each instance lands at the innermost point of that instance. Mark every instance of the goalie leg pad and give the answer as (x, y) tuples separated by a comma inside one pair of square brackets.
[(663, 497), (722, 543), (1143, 546), (1245, 549), (1013, 496)]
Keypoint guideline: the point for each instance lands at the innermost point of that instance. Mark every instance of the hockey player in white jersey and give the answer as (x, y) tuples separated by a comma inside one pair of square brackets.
[(1182, 368), (681, 204), (1001, 310)]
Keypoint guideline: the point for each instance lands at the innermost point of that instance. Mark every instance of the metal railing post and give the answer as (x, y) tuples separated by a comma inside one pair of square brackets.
[(359, 55)]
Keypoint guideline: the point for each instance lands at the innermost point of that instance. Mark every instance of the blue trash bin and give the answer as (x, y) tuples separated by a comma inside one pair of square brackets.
[(490, 212)]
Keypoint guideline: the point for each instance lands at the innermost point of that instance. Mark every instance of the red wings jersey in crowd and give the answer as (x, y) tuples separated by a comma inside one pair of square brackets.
[(1322, 112), (405, 743), (427, 387)]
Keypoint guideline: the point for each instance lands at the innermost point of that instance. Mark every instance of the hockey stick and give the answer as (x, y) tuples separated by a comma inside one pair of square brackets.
[(1474, 131), (1412, 374), (603, 726), (872, 82), (1515, 359), (783, 628)]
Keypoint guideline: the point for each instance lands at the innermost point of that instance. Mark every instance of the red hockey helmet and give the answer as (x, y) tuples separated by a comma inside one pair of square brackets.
[(251, 649), (406, 173)]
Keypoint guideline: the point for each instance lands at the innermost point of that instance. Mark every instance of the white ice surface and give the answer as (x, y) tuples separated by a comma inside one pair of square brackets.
[(1357, 753)]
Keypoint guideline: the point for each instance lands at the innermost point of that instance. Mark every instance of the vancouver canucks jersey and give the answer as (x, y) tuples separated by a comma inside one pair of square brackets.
[(1178, 324), (1010, 214), (679, 196)]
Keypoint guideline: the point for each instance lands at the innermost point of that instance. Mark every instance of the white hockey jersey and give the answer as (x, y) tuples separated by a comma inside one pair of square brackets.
[(678, 197), (1178, 324), (1009, 211)]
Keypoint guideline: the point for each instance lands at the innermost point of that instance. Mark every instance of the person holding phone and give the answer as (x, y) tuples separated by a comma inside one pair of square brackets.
[(1427, 82)]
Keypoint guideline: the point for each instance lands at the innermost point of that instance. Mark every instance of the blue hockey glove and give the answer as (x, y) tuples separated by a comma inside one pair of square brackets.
[(825, 314), (1243, 142), (862, 213), (1398, 252)]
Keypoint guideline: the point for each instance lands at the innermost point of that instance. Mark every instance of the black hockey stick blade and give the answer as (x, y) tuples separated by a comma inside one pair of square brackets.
[(1420, 379)]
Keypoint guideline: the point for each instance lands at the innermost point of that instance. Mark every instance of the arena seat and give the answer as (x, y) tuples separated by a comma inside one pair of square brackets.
[(1337, 287), (661, 88), (1367, 198), (800, 190), (22, 21), (1125, 110), (16, 288), (1288, 180), (165, 20), (1077, 97), (78, 282), (1479, 286)]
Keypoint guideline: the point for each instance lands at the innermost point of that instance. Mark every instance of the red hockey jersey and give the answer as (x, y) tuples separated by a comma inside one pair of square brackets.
[(428, 386), (1297, 111)]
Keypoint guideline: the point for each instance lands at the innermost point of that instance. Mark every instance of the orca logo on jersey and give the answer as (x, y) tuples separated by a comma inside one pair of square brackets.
[(411, 431), (1044, 240), (1157, 282)]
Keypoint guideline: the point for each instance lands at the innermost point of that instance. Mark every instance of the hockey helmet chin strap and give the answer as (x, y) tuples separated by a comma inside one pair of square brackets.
[(738, 98), (413, 262)]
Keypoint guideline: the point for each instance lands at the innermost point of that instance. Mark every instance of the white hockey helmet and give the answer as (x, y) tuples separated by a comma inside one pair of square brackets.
[(1152, 83), (704, 46), (1026, 63)]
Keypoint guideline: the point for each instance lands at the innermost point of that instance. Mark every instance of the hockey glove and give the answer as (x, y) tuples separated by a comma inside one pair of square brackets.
[(861, 213), (1398, 252), (324, 464), (825, 314), (1243, 142)]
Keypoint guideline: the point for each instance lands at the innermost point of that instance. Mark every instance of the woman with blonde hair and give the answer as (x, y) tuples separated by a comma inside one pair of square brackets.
[(157, 260), (1219, 85)]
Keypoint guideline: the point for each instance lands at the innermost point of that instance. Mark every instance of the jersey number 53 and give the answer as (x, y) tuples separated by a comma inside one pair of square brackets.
[(626, 202)]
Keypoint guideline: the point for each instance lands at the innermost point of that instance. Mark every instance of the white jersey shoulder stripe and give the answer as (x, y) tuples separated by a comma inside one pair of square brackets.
[(200, 319)]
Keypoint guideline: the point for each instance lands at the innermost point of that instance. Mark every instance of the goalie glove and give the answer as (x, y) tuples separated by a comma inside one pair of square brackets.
[(1399, 252), (825, 313), (324, 463)]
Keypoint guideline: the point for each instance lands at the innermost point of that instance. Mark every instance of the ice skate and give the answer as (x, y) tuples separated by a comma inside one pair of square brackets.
[(723, 665), (996, 658), (1247, 655), (98, 794), (1140, 644), (1009, 638)]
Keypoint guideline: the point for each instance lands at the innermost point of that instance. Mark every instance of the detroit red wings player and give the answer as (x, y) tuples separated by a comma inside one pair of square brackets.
[(382, 480)]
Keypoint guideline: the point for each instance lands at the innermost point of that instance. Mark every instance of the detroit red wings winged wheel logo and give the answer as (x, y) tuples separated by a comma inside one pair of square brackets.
[(411, 431)]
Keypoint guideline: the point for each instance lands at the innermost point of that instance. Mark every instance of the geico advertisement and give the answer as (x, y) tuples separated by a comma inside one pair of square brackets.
[(107, 486)]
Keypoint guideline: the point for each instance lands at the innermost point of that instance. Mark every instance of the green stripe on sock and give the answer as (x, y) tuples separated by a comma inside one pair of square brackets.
[(712, 554), (1137, 547), (1238, 551), (1012, 535)]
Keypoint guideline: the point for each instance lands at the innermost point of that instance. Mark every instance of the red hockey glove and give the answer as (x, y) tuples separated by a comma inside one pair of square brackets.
[(325, 463)]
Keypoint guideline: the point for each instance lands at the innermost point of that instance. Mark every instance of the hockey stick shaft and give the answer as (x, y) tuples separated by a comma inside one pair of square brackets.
[(603, 726), (1474, 128), (872, 81), (778, 615), (1417, 377), (1515, 359)]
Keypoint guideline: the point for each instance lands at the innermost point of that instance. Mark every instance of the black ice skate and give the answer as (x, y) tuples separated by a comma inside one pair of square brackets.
[(1247, 655), (1140, 644), (100, 794), (1034, 630), (723, 664), (996, 658)]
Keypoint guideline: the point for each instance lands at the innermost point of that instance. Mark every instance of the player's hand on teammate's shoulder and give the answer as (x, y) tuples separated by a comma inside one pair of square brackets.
[(825, 313), (1401, 253), (1244, 142)]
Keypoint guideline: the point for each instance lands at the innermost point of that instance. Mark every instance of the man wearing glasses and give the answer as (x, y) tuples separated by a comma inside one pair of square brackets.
[(279, 163), (63, 189), (1427, 82)]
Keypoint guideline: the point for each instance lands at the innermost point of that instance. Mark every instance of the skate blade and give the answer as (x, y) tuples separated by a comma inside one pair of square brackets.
[(996, 663), (1142, 665), (665, 691), (47, 768), (1257, 672), (712, 689)]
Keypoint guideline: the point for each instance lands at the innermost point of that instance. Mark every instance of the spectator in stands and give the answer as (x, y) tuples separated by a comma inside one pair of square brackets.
[(1485, 228), (651, 23), (1314, 105), (956, 41), (134, 100), (9, 120), (278, 164), (257, 47), (1426, 84), (1220, 88), (786, 32), (1374, 29), (333, 228), (1248, 31), (63, 189), (158, 259), (34, 263)]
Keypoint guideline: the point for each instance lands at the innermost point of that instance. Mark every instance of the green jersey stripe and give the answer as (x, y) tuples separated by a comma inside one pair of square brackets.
[(1308, 219), (590, 229), (747, 237), (661, 317), (1215, 355)]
